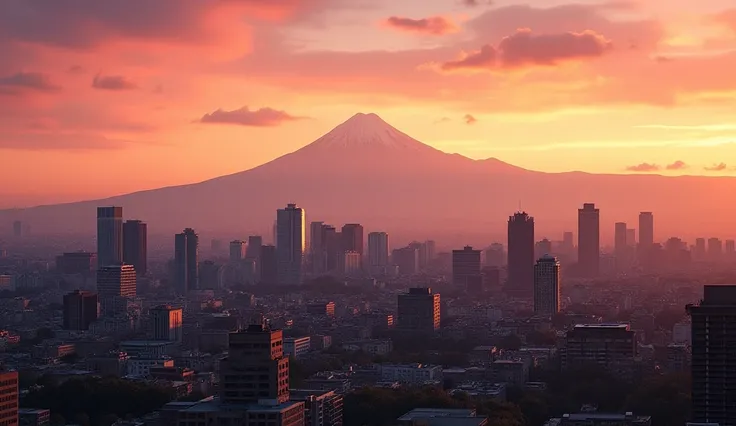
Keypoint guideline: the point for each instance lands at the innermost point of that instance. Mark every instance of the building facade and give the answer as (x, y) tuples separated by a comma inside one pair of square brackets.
[(166, 323), (80, 310), (135, 245), (419, 310), (589, 251), (186, 261), (9, 398), (466, 265), (109, 236), (290, 244), (520, 255), (547, 286)]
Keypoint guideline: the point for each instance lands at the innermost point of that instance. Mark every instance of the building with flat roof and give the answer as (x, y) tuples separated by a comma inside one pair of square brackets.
[(297, 347), (34, 417), (321, 408), (442, 417), (419, 310), (611, 346), (600, 419), (80, 310), (166, 323), (10, 395)]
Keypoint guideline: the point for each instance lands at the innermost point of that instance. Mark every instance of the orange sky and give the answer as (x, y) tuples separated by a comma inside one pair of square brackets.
[(103, 98)]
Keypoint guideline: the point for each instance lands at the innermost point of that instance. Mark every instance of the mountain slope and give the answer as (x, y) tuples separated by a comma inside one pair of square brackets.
[(367, 171)]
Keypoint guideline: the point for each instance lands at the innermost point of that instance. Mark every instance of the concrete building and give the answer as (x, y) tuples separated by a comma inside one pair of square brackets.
[(135, 245), (238, 251), (611, 346), (419, 311), (378, 251), (547, 286), (34, 417), (406, 259), (713, 367), (600, 419), (76, 263), (186, 261), (589, 251), (520, 281), (351, 263), (321, 408), (109, 236), (646, 230), (80, 310), (115, 284), (442, 417), (411, 374), (10, 398), (466, 265), (141, 367), (297, 347), (166, 323), (352, 238), (321, 309), (290, 244)]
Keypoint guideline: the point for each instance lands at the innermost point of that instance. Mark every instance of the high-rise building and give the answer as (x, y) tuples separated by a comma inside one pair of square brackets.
[(166, 323), (406, 259), (351, 263), (730, 249), (332, 246), (621, 245), (699, 251), (290, 240), (713, 358), (589, 255), (631, 237), (419, 311), (109, 236), (317, 249), (542, 247), (80, 310), (76, 263), (466, 267), (715, 249), (610, 346), (256, 368), (135, 245), (521, 255), (115, 284), (269, 265), (495, 255), (352, 237), (646, 230), (186, 262), (237, 251), (253, 250), (17, 229), (547, 286), (9, 398), (321, 408), (378, 250)]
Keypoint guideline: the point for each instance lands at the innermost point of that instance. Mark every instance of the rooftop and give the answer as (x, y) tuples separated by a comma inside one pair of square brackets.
[(427, 413), (603, 326)]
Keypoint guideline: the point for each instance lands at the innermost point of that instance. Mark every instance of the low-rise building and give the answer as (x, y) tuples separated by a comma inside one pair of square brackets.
[(442, 417), (371, 346), (297, 346), (141, 367), (321, 408), (34, 417), (412, 374)]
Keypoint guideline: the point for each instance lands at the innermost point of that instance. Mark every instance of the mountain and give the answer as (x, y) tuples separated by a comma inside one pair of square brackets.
[(366, 171)]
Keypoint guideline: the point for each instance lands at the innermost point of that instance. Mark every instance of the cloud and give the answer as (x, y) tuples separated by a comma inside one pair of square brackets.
[(54, 141), (442, 120), (524, 48), (112, 82), (677, 165), (14, 84), (76, 69), (726, 18), (643, 168), (716, 167), (263, 117), (435, 25), (475, 3), (469, 119)]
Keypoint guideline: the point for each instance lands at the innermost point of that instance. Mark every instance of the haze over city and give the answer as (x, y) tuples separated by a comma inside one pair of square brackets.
[(367, 213)]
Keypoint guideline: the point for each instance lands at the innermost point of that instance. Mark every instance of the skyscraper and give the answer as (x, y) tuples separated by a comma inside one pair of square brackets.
[(166, 323), (186, 254), (17, 229), (542, 248), (521, 255), (317, 253), (253, 250), (495, 255), (419, 311), (269, 265), (135, 245), (109, 236), (713, 356), (466, 267), (547, 286), (10, 398), (115, 284), (290, 240), (621, 246), (589, 240), (237, 251), (715, 249), (352, 237), (378, 250), (646, 230), (80, 310), (631, 237)]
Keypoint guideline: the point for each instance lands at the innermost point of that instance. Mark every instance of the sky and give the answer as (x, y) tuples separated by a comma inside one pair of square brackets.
[(105, 98)]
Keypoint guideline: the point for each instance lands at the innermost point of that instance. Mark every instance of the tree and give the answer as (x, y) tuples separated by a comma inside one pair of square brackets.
[(665, 398)]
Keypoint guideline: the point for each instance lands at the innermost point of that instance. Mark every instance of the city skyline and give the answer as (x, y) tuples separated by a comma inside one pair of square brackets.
[(161, 115)]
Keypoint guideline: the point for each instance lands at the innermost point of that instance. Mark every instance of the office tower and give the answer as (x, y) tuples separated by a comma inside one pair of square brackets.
[(378, 250), (253, 249), (80, 310), (317, 252), (352, 237), (547, 286), (209, 275), (115, 284), (466, 267), (406, 259), (699, 251), (135, 245), (715, 249), (495, 255), (237, 251), (610, 346), (646, 230), (109, 236), (568, 240), (631, 237), (290, 236), (186, 261), (332, 246), (730, 249), (351, 263), (256, 368), (521, 255), (419, 311), (589, 240), (269, 265), (713, 357), (76, 263), (9, 398), (166, 323), (621, 246), (431, 247), (542, 248), (17, 229)]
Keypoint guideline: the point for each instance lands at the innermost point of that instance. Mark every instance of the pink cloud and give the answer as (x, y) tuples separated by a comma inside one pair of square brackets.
[(113, 82), (24, 81), (469, 119), (716, 167), (677, 165), (643, 168), (436, 25), (264, 117), (480, 59)]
